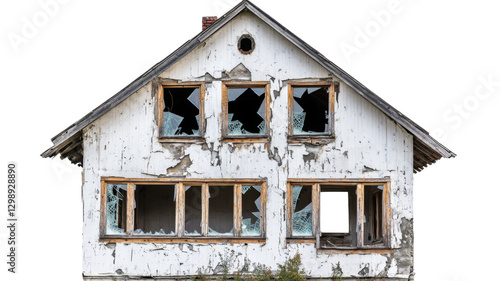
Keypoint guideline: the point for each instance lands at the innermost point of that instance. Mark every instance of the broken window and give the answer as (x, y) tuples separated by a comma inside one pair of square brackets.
[(193, 210), (250, 214), (245, 109), (302, 210), (337, 215), (178, 209), (373, 215), (116, 209), (311, 109), (181, 110), (154, 210), (220, 210)]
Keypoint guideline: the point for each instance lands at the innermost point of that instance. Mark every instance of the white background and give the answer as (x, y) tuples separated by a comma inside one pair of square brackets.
[(427, 60)]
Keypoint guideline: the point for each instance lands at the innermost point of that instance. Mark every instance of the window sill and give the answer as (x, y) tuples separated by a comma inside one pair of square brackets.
[(342, 250), (246, 139), (149, 239), (312, 139), (186, 139)]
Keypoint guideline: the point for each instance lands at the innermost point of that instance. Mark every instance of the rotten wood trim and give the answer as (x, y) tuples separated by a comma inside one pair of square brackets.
[(224, 116), (130, 208), (116, 180), (360, 193), (331, 114), (102, 224), (237, 212), (355, 251), (204, 211), (182, 240), (194, 139), (289, 209)]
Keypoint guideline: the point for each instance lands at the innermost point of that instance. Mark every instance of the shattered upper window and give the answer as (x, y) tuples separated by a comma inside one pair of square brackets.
[(250, 210), (193, 210), (246, 112), (302, 210), (116, 208), (310, 110), (181, 111), (220, 210), (154, 210)]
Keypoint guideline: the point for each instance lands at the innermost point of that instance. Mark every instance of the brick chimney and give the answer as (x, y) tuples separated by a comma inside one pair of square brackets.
[(207, 21)]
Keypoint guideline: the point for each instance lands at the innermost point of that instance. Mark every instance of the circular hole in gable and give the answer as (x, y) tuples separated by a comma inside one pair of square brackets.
[(246, 44)]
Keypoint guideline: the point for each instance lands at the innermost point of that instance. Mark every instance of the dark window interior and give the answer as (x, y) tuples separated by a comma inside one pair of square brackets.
[(310, 110), (302, 210), (220, 210), (155, 210), (250, 210), (340, 238), (193, 210), (181, 111), (373, 215), (246, 111)]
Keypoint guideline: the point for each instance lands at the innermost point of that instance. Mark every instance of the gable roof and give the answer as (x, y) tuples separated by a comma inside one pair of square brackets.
[(426, 149)]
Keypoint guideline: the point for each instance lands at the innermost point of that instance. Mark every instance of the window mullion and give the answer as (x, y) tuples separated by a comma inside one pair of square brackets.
[(263, 207), (180, 209), (386, 214), (289, 209), (315, 212), (360, 214), (204, 212), (130, 208), (237, 210)]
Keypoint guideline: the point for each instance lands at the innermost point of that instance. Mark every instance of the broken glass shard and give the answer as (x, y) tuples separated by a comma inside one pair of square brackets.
[(302, 210), (181, 111), (246, 111), (116, 208), (310, 110), (250, 210)]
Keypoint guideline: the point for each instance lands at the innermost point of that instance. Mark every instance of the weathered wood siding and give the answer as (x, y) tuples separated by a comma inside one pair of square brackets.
[(124, 143)]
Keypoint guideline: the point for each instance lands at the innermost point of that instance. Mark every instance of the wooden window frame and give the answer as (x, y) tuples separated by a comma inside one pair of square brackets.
[(224, 116), (359, 185), (198, 138), (331, 106), (179, 236)]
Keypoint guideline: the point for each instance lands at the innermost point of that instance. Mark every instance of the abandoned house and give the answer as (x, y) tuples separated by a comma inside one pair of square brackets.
[(242, 148)]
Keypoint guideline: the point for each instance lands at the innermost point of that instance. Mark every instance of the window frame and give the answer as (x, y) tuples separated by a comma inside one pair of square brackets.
[(359, 185), (180, 236), (331, 105), (201, 87), (225, 107)]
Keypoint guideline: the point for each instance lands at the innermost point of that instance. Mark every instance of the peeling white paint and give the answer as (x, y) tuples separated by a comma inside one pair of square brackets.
[(123, 142)]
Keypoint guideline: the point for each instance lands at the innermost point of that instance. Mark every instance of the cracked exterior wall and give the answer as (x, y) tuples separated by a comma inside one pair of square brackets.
[(367, 144)]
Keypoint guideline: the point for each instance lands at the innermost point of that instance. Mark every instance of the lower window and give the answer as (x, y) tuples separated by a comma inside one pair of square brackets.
[(339, 214), (138, 208)]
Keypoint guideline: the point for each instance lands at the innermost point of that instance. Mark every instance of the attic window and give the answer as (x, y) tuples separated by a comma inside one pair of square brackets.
[(180, 107), (311, 111), (245, 107), (246, 44)]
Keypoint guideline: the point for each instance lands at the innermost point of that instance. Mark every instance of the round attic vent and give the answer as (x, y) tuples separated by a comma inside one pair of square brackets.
[(246, 44)]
